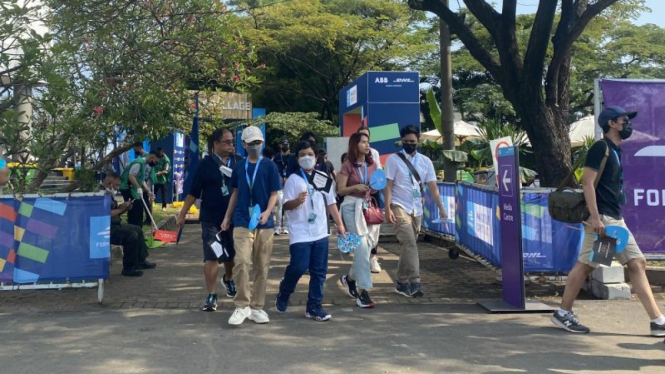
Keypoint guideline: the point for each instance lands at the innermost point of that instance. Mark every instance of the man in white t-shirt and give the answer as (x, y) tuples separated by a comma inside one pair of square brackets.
[(407, 173)]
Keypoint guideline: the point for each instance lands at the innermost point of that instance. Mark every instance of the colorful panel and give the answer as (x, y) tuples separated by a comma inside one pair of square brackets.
[(50, 205), (43, 229), (32, 252), (25, 210), (7, 212)]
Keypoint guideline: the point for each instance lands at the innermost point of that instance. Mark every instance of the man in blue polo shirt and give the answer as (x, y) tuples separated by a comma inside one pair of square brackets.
[(212, 184), (254, 183)]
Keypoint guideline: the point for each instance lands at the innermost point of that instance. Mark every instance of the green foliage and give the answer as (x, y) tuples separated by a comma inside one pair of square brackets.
[(115, 64), (479, 148), (292, 125), (313, 48)]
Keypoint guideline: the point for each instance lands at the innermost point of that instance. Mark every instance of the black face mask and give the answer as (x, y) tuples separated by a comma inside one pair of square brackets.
[(627, 131), (285, 149), (152, 163), (409, 148)]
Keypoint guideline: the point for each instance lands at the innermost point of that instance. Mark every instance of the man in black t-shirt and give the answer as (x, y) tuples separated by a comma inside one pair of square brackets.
[(212, 184), (604, 203)]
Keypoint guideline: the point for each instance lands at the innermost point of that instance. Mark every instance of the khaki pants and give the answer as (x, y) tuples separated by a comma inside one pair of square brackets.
[(406, 230), (252, 248), (632, 250)]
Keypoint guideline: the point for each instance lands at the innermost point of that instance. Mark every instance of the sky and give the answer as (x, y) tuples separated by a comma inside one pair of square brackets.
[(530, 6)]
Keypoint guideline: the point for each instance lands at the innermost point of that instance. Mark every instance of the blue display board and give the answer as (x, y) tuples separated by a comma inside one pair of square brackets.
[(54, 239)]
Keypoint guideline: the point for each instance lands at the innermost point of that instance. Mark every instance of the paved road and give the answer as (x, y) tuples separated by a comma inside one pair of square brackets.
[(153, 325)]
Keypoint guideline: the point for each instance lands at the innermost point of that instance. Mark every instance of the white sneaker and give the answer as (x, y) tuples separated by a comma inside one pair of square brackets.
[(259, 316), (239, 315), (374, 266), (285, 231)]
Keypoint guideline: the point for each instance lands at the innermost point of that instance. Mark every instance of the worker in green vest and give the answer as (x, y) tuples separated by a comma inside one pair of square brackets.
[(162, 175), (132, 185)]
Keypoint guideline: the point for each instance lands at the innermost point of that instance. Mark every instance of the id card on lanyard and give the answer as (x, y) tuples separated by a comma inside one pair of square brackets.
[(225, 188), (363, 180), (622, 195), (414, 183), (311, 219), (250, 184)]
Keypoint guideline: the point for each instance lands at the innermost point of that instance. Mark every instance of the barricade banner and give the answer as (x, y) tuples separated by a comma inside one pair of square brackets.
[(431, 210), (548, 246), (477, 222), (54, 239)]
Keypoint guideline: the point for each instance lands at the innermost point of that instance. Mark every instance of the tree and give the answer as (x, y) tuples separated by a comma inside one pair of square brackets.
[(537, 86), (314, 48), (128, 66), (292, 125)]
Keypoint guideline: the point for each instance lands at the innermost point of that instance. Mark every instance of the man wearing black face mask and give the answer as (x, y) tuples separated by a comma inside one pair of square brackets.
[(407, 172), (604, 202)]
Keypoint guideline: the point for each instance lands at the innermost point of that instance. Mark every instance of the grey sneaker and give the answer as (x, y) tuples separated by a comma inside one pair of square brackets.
[(657, 330), (402, 289), (416, 290), (569, 322)]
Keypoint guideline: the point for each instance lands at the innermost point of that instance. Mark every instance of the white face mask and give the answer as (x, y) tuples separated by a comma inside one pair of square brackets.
[(307, 162)]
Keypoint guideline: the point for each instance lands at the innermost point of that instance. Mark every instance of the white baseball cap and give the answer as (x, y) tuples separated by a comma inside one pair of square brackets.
[(251, 134)]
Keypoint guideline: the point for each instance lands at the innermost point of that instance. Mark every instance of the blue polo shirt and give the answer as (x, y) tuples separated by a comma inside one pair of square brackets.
[(266, 182), (207, 186)]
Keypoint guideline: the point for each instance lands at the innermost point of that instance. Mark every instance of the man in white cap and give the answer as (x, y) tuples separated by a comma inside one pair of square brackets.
[(253, 183)]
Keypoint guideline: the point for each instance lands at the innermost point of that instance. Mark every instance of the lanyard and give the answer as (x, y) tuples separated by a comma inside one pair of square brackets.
[(251, 184), (363, 180), (616, 155), (310, 191)]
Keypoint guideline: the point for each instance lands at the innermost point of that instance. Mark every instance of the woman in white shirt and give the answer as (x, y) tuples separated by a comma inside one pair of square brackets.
[(308, 211)]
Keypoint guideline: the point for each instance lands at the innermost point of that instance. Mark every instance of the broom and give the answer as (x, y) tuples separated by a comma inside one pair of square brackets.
[(161, 235)]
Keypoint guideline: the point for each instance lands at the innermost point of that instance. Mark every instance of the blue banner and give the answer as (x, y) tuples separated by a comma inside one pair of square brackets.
[(54, 239), (548, 246)]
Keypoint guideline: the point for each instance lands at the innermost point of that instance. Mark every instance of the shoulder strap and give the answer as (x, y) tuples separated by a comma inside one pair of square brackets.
[(602, 165), (410, 166), (579, 162)]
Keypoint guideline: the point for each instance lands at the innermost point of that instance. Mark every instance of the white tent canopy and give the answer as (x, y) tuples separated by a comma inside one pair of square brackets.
[(462, 129)]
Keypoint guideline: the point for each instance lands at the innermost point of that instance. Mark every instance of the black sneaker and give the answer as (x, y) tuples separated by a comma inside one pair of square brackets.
[(147, 265), (131, 273), (364, 301), (402, 289), (350, 286), (415, 290), (211, 303), (230, 286), (281, 303), (657, 330), (569, 322)]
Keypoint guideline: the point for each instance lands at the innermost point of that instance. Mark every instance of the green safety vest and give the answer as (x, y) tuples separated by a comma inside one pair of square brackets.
[(124, 179), (161, 165)]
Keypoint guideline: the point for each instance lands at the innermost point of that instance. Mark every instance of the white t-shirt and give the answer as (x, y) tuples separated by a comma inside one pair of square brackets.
[(300, 230), (404, 183)]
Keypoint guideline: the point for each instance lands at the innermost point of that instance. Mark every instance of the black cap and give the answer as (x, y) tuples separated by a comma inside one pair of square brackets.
[(611, 113)]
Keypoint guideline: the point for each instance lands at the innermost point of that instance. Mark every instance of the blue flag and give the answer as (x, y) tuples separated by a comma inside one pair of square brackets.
[(193, 150)]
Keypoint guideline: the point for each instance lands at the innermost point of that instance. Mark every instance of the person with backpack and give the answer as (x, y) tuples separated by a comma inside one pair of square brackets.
[(604, 198), (407, 173)]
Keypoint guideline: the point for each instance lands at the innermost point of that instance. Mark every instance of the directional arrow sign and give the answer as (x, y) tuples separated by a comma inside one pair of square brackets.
[(506, 179)]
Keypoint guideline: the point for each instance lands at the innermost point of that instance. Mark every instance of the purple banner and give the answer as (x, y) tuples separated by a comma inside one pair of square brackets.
[(512, 263), (643, 159)]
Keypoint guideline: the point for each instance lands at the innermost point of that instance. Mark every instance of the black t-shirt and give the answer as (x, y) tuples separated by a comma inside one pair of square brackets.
[(609, 189), (282, 162), (207, 185)]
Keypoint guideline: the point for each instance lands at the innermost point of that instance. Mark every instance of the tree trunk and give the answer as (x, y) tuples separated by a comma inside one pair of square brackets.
[(549, 140), (447, 117)]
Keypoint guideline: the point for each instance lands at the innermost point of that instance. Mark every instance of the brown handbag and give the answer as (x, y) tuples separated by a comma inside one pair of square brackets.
[(373, 214), (567, 204)]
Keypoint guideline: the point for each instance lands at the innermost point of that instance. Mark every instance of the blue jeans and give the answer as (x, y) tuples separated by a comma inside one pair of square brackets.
[(312, 256)]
